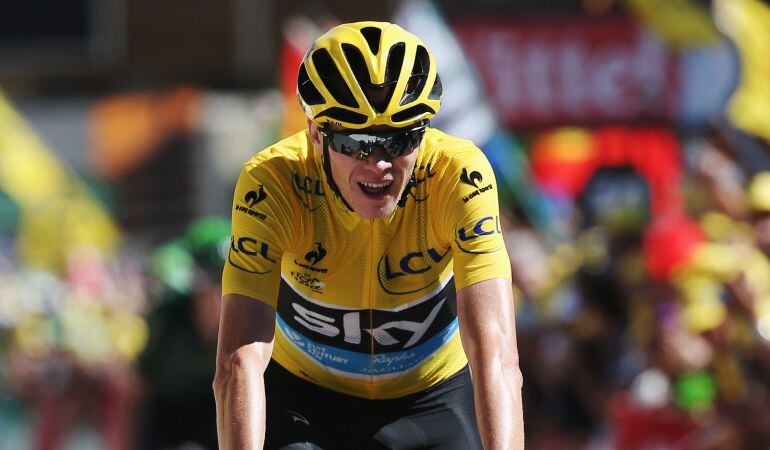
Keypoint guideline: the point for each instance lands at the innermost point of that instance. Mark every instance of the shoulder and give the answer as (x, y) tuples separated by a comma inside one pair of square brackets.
[(448, 145), (281, 158), (450, 152), (264, 203), (450, 155), (267, 177)]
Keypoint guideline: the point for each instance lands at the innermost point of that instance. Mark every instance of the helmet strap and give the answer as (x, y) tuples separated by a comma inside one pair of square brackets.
[(408, 189), (411, 184), (328, 172)]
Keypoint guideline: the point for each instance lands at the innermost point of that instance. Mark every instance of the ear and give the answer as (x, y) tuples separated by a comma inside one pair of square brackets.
[(315, 136)]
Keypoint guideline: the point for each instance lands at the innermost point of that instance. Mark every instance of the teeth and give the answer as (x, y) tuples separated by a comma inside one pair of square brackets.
[(375, 185)]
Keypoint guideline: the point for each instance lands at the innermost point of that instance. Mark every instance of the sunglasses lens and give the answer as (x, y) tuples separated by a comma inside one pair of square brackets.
[(399, 144), (342, 143), (360, 146)]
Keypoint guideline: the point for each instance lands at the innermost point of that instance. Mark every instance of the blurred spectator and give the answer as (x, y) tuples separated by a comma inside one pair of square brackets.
[(759, 201), (178, 364)]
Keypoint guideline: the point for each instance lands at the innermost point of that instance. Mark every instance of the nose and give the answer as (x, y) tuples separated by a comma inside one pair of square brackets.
[(379, 159)]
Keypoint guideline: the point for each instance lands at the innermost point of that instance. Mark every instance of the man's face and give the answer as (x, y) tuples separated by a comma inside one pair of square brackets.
[(371, 186)]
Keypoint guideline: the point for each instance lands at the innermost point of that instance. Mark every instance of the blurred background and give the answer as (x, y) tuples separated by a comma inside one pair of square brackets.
[(631, 144)]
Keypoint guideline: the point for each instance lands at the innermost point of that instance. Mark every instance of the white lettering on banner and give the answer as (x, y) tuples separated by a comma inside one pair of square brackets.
[(539, 72), (650, 66), (538, 66), (504, 81), (609, 79), (574, 95)]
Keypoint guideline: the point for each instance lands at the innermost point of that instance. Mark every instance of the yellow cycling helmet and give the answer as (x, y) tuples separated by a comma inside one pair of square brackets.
[(368, 73)]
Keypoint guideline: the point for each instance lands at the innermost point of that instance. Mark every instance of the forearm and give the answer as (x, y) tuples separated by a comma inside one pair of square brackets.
[(240, 402), (488, 331), (499, 415), (246, 332)]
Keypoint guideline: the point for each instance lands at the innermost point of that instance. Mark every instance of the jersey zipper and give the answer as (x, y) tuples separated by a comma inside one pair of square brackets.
[(370, 276)]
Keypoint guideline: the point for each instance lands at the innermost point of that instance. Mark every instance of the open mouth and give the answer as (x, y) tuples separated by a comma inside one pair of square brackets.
[(375, 189)]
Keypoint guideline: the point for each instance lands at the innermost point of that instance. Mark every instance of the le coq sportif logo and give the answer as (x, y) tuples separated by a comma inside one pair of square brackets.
[(474, 179), (316, 255), (254, 197), (471, 179)]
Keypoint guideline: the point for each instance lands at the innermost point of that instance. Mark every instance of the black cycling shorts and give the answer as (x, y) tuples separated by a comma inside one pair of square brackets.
[(304, 416)]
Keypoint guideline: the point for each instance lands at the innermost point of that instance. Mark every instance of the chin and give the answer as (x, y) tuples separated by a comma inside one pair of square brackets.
[(375, 212)]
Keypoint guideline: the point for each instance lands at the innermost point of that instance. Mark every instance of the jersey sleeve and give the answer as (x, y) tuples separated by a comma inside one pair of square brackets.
[(262, 221), (470, 220)]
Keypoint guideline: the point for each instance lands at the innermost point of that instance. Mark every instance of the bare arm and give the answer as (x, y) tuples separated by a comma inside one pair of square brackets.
[(488, 332), (246, 331)]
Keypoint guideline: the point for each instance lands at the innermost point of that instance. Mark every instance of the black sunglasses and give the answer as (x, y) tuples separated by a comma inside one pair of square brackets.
[(360, 145)]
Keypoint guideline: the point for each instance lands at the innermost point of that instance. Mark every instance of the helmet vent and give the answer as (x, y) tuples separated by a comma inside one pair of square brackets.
[(357, 64), (395, 61), (419, 76), (413, 113), (307, 89), (342, 115), (332, 78), (372, 36), (436, 90), (377, 95)]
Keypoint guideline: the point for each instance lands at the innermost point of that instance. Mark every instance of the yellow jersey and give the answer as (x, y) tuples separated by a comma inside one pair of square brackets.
[(366, 307)]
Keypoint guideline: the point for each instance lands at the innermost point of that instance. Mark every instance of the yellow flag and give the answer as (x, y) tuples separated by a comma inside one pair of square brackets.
[(747, 23), (57, 211), (679, 22)]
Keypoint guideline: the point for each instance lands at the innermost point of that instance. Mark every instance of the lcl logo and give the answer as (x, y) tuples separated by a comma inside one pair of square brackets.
[(483, 227), (413, 263), (407, 267), (308, 190), (249, 248), (307, 185), (486, 226)]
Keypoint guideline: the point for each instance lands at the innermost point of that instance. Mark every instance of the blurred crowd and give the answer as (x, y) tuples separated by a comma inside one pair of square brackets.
[(640, 326), (649, 329), (113, 353)]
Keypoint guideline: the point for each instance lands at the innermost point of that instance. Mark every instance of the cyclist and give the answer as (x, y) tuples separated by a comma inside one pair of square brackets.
[(367, 300)]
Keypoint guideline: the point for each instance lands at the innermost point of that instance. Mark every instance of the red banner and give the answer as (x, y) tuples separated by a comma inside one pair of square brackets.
[(552, 71)]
